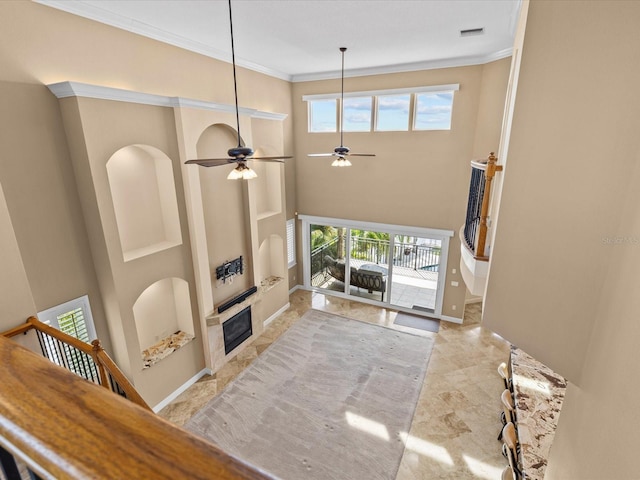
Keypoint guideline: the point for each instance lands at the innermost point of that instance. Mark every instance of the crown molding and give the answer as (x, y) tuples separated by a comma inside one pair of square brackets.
[(92, 12), (77, 89), (406, 67)]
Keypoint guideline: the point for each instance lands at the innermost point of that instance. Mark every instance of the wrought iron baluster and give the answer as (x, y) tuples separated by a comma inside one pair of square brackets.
[(40, 341), (9, 466)]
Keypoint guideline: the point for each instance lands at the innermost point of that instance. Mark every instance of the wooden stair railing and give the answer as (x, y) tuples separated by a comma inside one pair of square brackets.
[(474, 233), (63, 427), (90, 361)]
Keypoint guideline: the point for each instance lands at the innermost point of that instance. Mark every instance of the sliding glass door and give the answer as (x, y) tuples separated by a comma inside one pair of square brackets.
[(416, 265), (384, 264), (369, 264)]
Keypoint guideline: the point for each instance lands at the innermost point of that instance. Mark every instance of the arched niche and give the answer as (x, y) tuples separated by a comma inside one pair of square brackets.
[(268, 185), (216, 139), (162, 310), (271, 253), (144, 200), (224, 208)]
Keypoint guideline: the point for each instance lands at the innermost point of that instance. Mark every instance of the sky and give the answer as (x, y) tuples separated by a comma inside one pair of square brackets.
[(432, 112)]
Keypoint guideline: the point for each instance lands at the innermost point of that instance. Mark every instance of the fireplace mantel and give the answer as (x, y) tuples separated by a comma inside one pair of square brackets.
[(266, 285)]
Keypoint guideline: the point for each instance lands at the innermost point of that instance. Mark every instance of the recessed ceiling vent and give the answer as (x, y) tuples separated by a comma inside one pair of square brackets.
[(472, 31)]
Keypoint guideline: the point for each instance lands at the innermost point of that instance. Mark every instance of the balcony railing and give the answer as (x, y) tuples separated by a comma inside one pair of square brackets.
[(371, 250), (475, 228), (319, 273)]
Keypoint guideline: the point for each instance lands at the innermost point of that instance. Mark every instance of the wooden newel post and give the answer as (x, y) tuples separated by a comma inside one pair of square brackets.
[(489, 173), (96, 348)]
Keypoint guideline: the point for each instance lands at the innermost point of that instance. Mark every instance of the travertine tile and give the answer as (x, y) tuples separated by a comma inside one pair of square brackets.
[(457, 418)]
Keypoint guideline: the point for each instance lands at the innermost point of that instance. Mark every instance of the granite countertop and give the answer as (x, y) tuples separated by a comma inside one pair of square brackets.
[(165, 347), (538, 396)]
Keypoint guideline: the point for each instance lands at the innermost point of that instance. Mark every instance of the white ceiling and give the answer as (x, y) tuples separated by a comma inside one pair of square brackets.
[(299, 39)]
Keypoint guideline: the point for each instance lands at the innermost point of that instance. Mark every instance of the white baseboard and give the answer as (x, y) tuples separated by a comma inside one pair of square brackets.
[(187, 384), (297, 287), (276, 314), (447, 318)]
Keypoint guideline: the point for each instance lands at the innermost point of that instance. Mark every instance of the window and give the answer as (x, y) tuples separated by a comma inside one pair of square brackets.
[(392, 113), (433, 111), (322, 115), (73, 318), (357, 114), (291, 242), (431, 107)]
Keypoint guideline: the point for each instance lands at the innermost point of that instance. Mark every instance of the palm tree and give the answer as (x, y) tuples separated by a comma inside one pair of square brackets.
[(367, 244), (321, 234)]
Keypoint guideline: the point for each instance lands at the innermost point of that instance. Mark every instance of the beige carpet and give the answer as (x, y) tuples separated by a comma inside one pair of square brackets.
[(332, 398)]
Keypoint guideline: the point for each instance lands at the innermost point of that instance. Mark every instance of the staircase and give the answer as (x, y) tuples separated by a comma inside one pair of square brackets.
[(60, 419)]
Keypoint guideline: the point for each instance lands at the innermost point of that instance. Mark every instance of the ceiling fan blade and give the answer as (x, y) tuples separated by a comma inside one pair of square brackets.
[(320, 154), (211, 162), (360, 154), (268, 159), (277, 158)]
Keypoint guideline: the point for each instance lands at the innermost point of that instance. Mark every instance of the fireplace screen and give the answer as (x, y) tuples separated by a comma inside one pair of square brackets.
[(237, 329)]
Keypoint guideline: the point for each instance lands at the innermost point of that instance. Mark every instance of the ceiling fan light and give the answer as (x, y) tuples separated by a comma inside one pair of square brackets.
[(248, 173), (235, 174), (341, 162), (242, 172)]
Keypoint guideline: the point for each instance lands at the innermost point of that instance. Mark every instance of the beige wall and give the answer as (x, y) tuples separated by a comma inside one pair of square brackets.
[(17, 303), (490, 107), (570, 156), (417, 178), (63, 47), (598, 434), (41, 195), (40, 45), (563, 282)]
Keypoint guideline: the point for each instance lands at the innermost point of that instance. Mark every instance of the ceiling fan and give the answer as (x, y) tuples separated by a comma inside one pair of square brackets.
[(240, 154), (341, 152)]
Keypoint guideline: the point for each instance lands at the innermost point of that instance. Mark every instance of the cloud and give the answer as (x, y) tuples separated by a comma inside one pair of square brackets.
[(434, 109), (357, 103), (357, 117), (394, 103)]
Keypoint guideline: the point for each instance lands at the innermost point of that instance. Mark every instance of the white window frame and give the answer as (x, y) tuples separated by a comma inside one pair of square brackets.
[(310, 116), (438, 234), (372, 103), (291, 242), (452, 87), (377, 110), (50, 316), (415, 113)]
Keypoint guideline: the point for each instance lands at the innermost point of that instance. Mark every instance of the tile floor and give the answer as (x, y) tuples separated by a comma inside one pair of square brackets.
[(405, 291), (454, 429)]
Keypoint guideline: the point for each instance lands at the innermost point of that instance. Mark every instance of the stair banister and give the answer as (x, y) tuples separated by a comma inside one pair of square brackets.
[(110, 375), (63, 427), (474, 233)]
